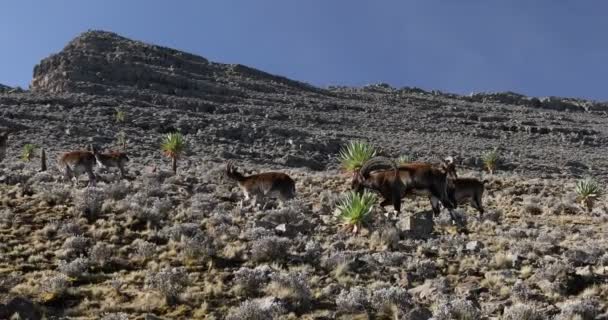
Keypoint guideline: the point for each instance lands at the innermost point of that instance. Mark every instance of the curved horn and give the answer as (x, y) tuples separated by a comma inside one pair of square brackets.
[(377, 163)]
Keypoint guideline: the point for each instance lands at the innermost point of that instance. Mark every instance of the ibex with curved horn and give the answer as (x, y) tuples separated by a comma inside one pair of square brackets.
[(394, 182)]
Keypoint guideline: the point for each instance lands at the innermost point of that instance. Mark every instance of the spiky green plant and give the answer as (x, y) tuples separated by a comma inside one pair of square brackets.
[(587, 191), (121, 138), (28, 152), (490, 160), (403, 159), (173, 146), (355, 208), (121, 115), (355, 154)]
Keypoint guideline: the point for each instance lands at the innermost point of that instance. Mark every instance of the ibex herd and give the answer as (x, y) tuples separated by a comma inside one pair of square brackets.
[(393, 182)]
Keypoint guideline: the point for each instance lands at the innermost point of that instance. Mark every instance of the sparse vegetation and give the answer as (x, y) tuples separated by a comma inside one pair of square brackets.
[(173, 146), (170, 282), (355, 154), (587, 191), (28, 152), (121, 140), (120, 116), (355, 208), (490, 160)]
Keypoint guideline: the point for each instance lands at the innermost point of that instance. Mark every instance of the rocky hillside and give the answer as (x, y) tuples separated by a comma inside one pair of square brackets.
[(159, 245), (233, 111)]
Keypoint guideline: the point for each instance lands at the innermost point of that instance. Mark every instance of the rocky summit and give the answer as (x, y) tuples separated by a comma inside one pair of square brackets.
[(155, 244)]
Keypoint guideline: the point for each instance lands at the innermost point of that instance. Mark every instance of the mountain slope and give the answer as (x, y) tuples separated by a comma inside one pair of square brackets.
[(239, 112)]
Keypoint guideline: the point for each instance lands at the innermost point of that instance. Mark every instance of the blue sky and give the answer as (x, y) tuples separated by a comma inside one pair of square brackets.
[(538, 48)]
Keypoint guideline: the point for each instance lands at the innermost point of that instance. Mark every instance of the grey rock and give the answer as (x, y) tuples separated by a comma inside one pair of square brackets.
[(417, 225), (474, 246)]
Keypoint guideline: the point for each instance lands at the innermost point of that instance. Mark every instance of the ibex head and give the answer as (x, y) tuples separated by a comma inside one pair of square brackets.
[(449, 167)]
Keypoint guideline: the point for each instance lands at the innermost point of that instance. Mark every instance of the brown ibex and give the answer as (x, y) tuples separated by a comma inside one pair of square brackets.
[(461, 190), (395, 182), (113, 159), (74, 163), (257, 186)]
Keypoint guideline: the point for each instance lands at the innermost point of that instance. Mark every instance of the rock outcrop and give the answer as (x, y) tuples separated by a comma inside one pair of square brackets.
[(104, 63)]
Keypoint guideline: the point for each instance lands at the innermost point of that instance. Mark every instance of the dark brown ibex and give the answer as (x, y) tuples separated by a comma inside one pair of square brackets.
[(257, 186), (395, 182), (461, 190)]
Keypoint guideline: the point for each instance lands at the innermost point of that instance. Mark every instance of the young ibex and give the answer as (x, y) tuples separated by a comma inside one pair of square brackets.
[(256, 186), (113, 159), (74, 163), (394, 182), (462, 189)]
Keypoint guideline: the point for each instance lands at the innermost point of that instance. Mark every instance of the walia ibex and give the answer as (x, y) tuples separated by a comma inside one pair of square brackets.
[(266, 184), (74, 163), (461, 190), (395, 182), (113, 159)]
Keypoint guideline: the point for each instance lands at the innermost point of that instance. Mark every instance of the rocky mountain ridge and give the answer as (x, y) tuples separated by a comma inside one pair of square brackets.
[(233, 111)]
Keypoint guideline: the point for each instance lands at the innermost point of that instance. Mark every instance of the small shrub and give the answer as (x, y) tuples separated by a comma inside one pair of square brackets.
[(74, 269), (76, 245), (170, 282), (157, 213), (352, 301), (121, 139), (586, 309), (121, 115), (383, 300), (587, 191), (426, 269), (117, 191), (490, 160), (198, 247), (54, 195), (258, 309), (456, 309), (101, 254), (69, 228), (355, 154), (115, 316), (250, 281), (89, 202), (533, 209), (28, 152), (355, 208), (522, 312), (54, 285), (521, 292), (8, 281), (292, 287), (269, 249), (144, 249), (7, 217)]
